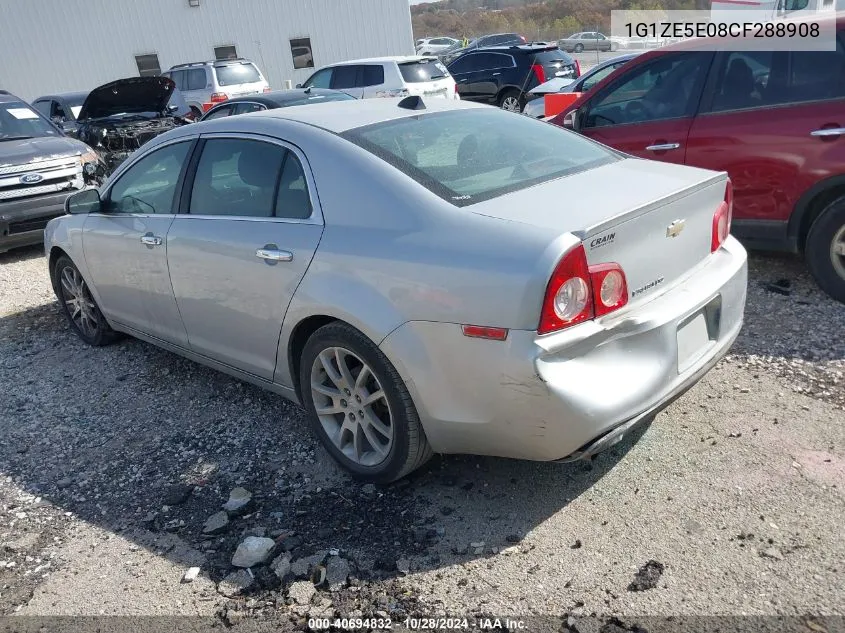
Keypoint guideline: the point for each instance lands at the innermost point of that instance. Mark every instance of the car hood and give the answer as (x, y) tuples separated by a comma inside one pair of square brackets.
[(552, 85), (33, 150), (135, 95)]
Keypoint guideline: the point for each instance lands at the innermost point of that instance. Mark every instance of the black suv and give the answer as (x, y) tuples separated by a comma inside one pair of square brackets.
[(503, 75)]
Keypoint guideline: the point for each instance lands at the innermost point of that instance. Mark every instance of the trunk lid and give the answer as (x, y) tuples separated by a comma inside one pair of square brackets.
[(653, 219), (427, 77)]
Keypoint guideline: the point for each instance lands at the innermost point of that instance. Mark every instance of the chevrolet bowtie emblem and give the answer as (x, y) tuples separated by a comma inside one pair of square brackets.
[(674, 229)]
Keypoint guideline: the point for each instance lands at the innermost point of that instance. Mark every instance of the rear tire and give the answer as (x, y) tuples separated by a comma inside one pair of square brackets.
[(511, 101), (825, 249), (79, 306), (340, 372)]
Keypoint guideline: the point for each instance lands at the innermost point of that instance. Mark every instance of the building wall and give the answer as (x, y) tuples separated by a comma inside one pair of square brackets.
[(69, 45)]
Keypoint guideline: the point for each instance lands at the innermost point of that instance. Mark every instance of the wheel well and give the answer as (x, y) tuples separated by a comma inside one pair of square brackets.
[(300, 335), (55, 253), (813, 209)]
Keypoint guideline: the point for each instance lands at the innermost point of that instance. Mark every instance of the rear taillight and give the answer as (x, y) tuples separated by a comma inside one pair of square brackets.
[(219, 97), (610, 288), (722, 219), (539, 73), (578, 292), (577, 69)]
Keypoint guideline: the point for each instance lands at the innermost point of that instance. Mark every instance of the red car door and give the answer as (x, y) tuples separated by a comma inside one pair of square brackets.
[(648, 110), (767, 121)]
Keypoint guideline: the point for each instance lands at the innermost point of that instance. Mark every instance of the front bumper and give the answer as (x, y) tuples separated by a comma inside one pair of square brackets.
[(22, 221), (572, 393)]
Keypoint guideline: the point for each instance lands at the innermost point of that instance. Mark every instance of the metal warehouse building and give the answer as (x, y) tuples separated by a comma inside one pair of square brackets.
[(50, 46)]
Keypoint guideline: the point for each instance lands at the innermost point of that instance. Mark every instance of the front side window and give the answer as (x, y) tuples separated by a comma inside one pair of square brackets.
[(237, 177), (666, 88), (43, 107), (320, 79), (465, 64), (149, 186), (467, 156)]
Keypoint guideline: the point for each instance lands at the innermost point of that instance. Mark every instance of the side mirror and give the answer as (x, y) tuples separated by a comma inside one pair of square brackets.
[(87, 201), (299, 85), (172, 108), (570, 120), (58, 120)]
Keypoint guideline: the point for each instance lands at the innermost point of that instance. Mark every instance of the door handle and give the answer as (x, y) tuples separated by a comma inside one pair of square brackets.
[(663, 147), (274, 255), (496, 74), (151, 240), (831, 131)]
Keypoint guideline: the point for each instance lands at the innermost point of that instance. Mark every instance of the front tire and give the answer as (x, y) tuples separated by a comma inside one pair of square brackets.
[(359, 406), (78, 304), (579, 48), (825, 249)]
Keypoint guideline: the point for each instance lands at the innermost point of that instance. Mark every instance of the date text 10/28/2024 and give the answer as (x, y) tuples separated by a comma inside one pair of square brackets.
[(415, 624)]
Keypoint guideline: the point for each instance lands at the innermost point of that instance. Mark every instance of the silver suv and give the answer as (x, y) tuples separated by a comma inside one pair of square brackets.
[(204, 84)]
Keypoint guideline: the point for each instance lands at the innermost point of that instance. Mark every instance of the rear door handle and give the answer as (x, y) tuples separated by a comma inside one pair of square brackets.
[(831, 131), (151, 240), (274, 255), (663, 147)]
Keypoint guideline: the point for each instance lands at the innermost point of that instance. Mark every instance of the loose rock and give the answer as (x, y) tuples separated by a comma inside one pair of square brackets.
[(403, 565), (178, 494), (301, 592), (647, 577), (254, 550), (281, 565), (216, 523), (191, 574), (337, 572), (235, 583), (239, 500), (772, 552)]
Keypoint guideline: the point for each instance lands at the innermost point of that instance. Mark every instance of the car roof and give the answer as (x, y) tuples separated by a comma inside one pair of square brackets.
[(340, 116), (68, 96), (533, 47), (381, 60), (8, 97), (277, 97)]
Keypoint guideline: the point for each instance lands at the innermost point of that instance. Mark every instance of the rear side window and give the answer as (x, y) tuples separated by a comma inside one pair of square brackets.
[(467, 156), (195, 79), (234, 74), (237, 177), (371, 76), (218, 113), (344, 77), (768, 78), (293, 201), (423, 70)]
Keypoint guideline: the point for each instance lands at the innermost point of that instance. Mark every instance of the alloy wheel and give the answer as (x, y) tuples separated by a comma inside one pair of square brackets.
[(81, 307), (511, 104), (837, 252), (352, 406)]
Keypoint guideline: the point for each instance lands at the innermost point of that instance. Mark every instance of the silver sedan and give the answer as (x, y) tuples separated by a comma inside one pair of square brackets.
[(421, 275)]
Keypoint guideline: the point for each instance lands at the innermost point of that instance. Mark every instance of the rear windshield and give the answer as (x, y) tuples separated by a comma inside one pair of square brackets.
[(234, 74), (550, 57), (423, 70), (468, 156)]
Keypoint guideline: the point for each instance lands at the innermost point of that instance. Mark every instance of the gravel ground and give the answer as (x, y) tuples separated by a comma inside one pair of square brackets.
[(112, 461)]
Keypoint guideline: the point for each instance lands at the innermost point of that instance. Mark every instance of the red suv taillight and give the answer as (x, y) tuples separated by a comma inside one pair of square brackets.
[(219, 97), (578, 292), (539, 72), (722, 219)]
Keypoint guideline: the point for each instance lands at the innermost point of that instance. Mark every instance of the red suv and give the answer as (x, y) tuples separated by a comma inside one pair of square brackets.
[(774, 120)]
